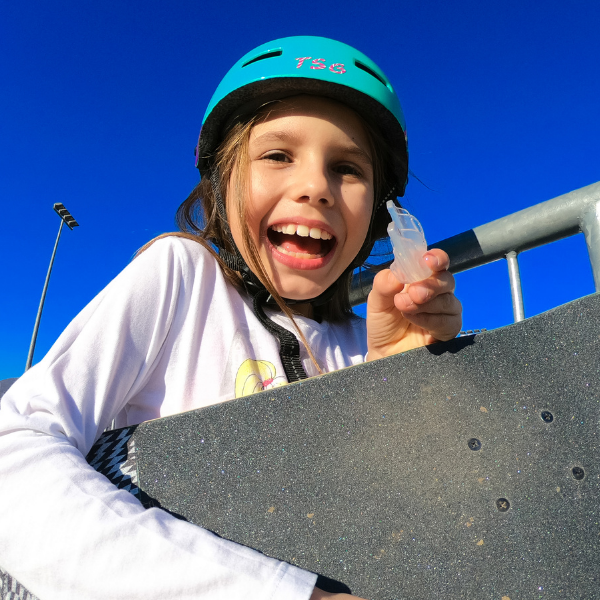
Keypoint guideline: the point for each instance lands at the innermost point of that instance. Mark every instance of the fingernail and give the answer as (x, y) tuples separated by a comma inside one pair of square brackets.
[(432, 261)]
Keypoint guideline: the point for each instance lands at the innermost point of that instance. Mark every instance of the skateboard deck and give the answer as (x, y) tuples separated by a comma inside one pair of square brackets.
[(466, 469)]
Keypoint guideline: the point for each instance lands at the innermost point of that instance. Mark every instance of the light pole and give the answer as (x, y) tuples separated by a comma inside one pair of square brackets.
[(66, 218)]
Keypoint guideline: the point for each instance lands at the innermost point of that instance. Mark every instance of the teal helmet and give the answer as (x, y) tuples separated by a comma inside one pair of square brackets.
[(306, 65)]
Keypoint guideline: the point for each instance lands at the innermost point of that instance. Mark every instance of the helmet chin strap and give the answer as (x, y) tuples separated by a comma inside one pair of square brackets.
[(289, 347), (236, 262)]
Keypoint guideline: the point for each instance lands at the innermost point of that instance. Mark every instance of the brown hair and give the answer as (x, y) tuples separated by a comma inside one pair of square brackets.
[(199, 219), (198, 214)]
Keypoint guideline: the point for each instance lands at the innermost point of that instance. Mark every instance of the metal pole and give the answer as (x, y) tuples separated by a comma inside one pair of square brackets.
[(515, 286), (529, 228), (590, 225), (39, 313)]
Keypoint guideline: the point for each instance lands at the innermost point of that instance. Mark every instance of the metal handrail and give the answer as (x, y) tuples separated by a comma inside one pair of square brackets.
[(561, 217)]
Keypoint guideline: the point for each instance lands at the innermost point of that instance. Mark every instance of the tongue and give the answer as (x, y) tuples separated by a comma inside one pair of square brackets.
[(305, 245)]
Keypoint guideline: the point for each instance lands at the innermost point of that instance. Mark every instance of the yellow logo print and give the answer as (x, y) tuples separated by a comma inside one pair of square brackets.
[(255, 376)]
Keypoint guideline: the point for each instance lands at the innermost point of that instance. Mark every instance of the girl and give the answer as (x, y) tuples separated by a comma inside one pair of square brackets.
[(300, 147)]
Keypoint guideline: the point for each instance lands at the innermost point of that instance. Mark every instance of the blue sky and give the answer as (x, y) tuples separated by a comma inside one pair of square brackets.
[(101, 105)]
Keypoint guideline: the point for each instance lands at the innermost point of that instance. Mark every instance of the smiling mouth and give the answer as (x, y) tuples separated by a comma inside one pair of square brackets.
[(301, 241)]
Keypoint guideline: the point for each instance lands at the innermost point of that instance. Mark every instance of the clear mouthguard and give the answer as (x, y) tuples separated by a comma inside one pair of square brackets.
[(409, 245)]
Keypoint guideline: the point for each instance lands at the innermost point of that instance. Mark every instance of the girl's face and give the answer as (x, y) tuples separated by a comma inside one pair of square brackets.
[(310, 194)]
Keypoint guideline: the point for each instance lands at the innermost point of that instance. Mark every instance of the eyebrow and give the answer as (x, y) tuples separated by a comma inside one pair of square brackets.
[(276, 136), (286, 136), (358, 153)]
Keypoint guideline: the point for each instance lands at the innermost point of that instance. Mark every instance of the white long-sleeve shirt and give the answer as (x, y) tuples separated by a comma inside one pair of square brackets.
[(169, 334)]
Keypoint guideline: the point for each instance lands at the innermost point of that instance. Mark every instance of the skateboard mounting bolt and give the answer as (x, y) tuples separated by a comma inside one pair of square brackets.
[(502, 504), (547, 416), (474, 444)]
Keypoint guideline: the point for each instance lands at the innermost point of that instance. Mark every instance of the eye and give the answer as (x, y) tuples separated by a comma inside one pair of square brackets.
[(276, 156), (348, 169)]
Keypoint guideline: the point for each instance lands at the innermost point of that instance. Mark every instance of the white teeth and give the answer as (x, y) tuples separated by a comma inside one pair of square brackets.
[(317, 234), (303, 231), (298, 254)]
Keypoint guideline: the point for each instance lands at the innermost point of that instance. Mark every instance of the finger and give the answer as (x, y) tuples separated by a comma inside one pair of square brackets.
[(386, 284), (426, 290), (437, 259), (385, 287), (439, 326), (444, 304)]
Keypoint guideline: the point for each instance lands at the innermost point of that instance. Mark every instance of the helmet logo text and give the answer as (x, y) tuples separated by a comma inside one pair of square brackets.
[(319, 63), (337, 68), (301, 61)]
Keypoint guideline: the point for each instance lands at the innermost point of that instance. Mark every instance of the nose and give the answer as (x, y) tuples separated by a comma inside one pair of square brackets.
[(312, 183)]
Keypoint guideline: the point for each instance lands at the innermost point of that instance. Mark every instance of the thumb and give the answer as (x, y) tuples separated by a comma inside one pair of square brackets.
[(385, 287)]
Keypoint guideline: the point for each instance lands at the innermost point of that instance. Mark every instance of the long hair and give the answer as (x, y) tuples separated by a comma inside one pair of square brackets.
[(198, 217), (198, 214)]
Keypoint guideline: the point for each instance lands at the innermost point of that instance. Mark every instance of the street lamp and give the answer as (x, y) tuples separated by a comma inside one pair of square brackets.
[(70, 222)]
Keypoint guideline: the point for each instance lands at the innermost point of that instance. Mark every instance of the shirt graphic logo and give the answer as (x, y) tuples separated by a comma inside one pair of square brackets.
[(255, 376)]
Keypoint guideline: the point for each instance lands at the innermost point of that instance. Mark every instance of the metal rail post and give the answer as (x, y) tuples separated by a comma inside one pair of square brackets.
[(516, 290), (569, 214), (590, 225)]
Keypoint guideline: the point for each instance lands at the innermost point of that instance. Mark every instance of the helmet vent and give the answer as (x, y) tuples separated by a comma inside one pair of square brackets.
[(370, 72), (270, 54)]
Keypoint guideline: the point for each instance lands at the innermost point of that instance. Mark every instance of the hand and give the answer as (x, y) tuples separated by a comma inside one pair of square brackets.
[(401, 317), (321, 595)]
